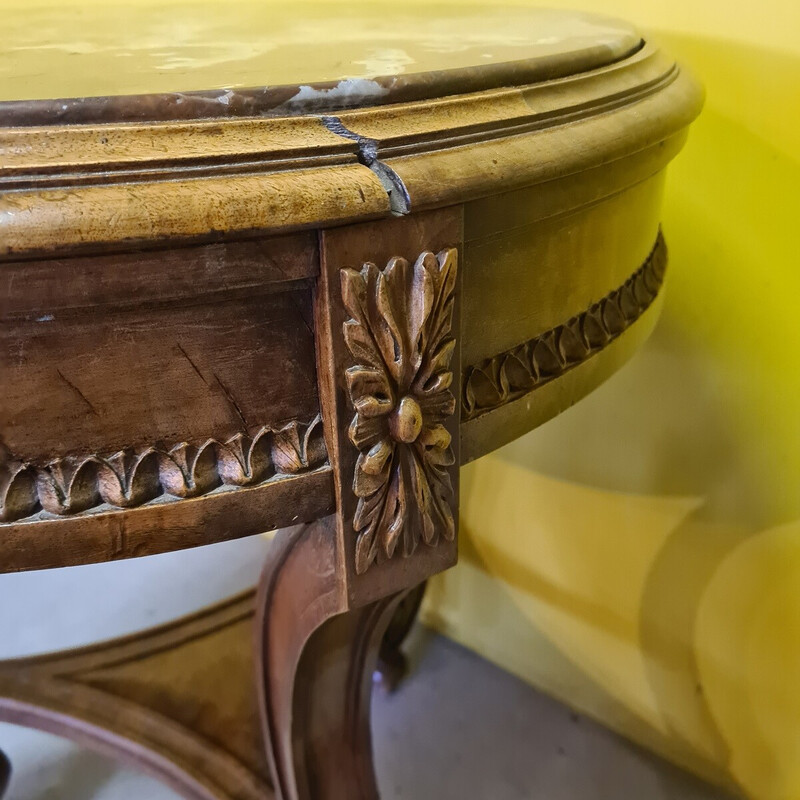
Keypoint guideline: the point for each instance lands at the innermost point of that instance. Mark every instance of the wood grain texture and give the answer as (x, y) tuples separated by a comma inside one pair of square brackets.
[(150, 380), (103, 365), (316, 664), (400, 333), (145, 700), (128, 478), (159, 276), (393, 664), (528, 270), (88, 188), (462, 147), (398, 244), (514, 373), (158, 527), (546, 270)]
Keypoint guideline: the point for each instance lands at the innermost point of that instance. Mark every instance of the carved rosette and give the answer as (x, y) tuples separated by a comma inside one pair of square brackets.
[(400, 337)]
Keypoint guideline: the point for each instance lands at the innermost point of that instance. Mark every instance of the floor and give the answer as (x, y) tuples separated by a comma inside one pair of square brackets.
[(458, 727)]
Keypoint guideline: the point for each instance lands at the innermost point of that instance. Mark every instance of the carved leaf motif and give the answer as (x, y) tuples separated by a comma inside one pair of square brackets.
[(130, 478), (399, 334), (68, 485), (17, 491), (295, 449), (187, 471), (244, 460), (515, 372)]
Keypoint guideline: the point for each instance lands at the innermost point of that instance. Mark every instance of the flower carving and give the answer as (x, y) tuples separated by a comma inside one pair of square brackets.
[(400, 337)]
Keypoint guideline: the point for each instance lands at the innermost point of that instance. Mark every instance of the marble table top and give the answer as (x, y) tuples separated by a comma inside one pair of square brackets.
[(291, 52)]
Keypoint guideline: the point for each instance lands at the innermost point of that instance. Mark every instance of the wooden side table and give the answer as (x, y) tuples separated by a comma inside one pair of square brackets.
[(301, 306)]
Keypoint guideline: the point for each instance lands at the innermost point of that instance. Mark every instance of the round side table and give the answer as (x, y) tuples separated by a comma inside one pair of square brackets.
[(288, 267)]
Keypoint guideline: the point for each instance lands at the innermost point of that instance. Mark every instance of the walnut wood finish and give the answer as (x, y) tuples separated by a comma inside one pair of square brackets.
[(5, 772), (181, 701), (178, 702), (387, 351), (392, 661), (317, 659), (210, 328)]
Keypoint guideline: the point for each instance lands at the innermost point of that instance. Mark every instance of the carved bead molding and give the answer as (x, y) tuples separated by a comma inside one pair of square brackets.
[(399, 336), (128, 478), (515, 372)]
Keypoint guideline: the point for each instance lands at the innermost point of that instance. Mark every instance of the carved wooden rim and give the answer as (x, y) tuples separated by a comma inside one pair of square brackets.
[(131, 478), (511, 374), (359, 164)]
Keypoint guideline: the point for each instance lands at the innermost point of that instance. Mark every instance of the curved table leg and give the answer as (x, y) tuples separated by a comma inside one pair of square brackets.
[(182, 701), (392, 661), (5, 772), (317, 664)]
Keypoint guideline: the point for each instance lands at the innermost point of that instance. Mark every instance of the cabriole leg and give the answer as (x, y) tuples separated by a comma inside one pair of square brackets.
[(5, 772), (317, 664), (392, 661)]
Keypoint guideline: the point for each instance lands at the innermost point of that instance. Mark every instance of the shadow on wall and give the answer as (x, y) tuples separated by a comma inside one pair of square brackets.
[(639, 557)]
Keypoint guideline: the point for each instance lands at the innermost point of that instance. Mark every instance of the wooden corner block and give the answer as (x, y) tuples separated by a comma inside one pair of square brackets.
[(388, 324)]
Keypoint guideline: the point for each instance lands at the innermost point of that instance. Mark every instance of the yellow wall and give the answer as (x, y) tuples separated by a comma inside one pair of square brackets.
[(639, 557)]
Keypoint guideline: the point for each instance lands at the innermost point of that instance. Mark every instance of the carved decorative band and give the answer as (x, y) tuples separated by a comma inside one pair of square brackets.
[(512, 374), (399, 336), (127, 478)]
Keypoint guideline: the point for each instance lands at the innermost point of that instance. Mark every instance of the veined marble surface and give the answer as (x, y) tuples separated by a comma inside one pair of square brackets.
[(75, 49)]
